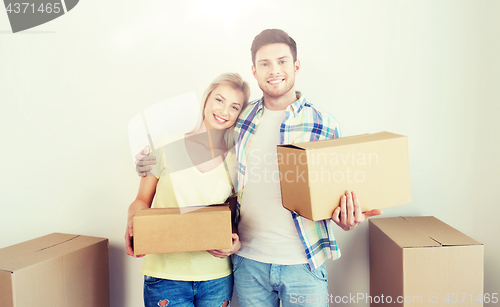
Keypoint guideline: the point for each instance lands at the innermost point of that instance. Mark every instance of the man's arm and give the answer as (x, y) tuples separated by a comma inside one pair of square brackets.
[(143, 161), (348, 214)]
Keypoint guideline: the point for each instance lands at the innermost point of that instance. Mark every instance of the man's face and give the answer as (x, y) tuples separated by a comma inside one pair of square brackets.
[(275, 70)]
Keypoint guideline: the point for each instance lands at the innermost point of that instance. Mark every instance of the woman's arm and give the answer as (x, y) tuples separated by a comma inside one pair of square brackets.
[(144, 198)]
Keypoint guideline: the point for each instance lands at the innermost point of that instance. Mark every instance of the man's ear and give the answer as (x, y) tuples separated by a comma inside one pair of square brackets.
[(297, 67), (254, 72)]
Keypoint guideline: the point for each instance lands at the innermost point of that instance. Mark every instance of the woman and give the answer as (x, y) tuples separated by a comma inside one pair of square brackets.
[(204, 167)]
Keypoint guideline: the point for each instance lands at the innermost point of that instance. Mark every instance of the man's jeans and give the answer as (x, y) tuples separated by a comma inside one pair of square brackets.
[(177, 293), (265, 285)]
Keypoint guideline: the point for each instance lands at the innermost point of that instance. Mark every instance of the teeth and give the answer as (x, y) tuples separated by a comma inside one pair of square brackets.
[(220, 119), (276, 81)]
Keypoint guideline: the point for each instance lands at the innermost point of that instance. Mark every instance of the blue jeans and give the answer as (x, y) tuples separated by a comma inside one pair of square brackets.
[(178, 293), (265, 284)]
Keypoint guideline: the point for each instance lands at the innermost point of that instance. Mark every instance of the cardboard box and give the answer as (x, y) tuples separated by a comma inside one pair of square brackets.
[(168, 230), (314, 175), (424, 262), (57, 270)]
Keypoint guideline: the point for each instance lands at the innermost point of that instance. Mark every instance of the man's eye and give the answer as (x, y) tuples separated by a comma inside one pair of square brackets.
[(283, 62), (263, 64)]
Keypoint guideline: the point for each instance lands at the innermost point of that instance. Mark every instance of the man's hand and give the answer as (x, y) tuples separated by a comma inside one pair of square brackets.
[(348, 214), (143, 160), (223, 253)]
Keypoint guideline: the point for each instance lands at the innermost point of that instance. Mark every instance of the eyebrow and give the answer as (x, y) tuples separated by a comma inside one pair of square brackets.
[(280, 58), (231, 102)]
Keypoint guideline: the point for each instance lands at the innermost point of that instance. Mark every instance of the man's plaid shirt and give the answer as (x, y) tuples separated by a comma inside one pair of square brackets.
[(303, 123)]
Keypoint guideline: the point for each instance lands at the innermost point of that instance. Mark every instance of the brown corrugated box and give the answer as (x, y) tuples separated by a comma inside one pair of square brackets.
[(169, 230), (424, 261), (314, 175), (56, 270)]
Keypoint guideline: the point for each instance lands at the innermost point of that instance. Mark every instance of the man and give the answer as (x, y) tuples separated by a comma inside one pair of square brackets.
[(282, 254)]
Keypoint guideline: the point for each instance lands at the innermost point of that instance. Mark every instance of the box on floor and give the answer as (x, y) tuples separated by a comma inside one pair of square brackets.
[(56, 270), (422, 260)]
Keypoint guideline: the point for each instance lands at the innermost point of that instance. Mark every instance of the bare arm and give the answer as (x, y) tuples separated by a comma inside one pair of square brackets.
[(144, 198)]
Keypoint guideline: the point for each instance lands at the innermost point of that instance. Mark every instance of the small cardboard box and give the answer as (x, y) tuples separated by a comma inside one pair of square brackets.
[(56, 270), (169, 230), (314, 175), (423, 261)]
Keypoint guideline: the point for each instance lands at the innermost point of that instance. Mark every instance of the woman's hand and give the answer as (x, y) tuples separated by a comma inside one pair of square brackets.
[(129, 240), (223, 253), (147, 189)]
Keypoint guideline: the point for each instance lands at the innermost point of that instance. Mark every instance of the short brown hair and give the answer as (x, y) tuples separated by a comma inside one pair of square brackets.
[(273, 36)]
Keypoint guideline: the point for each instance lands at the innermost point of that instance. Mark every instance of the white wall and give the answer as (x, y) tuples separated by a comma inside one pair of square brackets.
[(426, 69)]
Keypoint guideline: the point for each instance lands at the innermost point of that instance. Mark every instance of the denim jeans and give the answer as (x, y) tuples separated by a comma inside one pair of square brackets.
[(178, 293), (265, 284)]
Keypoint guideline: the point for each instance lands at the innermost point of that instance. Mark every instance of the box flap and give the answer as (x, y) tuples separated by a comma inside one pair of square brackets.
[(349, 140), (439, 231), (403, 233), (293, 146), (25, 254), (422, 231), (195, 210)]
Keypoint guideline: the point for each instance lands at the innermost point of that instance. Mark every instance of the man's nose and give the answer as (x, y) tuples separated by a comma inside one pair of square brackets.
[(275, 69)]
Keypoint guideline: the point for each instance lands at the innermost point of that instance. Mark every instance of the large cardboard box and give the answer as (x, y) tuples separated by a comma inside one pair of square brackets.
[(423, 261), (170, 230), (56, 270), (314, 175)]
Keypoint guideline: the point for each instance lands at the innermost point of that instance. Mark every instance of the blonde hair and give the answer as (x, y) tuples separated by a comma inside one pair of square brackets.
[(236, 82)]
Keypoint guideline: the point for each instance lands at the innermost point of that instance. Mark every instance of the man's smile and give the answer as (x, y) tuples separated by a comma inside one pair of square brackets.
[(275, 81)]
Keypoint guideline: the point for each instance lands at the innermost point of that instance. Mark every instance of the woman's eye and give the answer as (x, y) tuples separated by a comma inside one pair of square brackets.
[(218, 100), (236, 108)]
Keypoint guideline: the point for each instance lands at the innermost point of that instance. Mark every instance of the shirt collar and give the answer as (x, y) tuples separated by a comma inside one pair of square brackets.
[(298, 104), (294, 107)]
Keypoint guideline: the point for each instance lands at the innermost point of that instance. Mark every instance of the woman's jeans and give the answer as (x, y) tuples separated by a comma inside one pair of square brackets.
[(178, 293)]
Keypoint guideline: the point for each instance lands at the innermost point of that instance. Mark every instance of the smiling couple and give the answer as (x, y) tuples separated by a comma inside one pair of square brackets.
[(276, 253)]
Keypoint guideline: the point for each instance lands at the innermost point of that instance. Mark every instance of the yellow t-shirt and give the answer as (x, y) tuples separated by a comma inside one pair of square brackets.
[(184, 187)]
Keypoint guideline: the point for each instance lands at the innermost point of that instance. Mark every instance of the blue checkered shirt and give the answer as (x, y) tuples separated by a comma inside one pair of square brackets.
[(303, 123)]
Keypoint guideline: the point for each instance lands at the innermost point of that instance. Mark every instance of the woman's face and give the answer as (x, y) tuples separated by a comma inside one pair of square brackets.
[(223, 107)]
